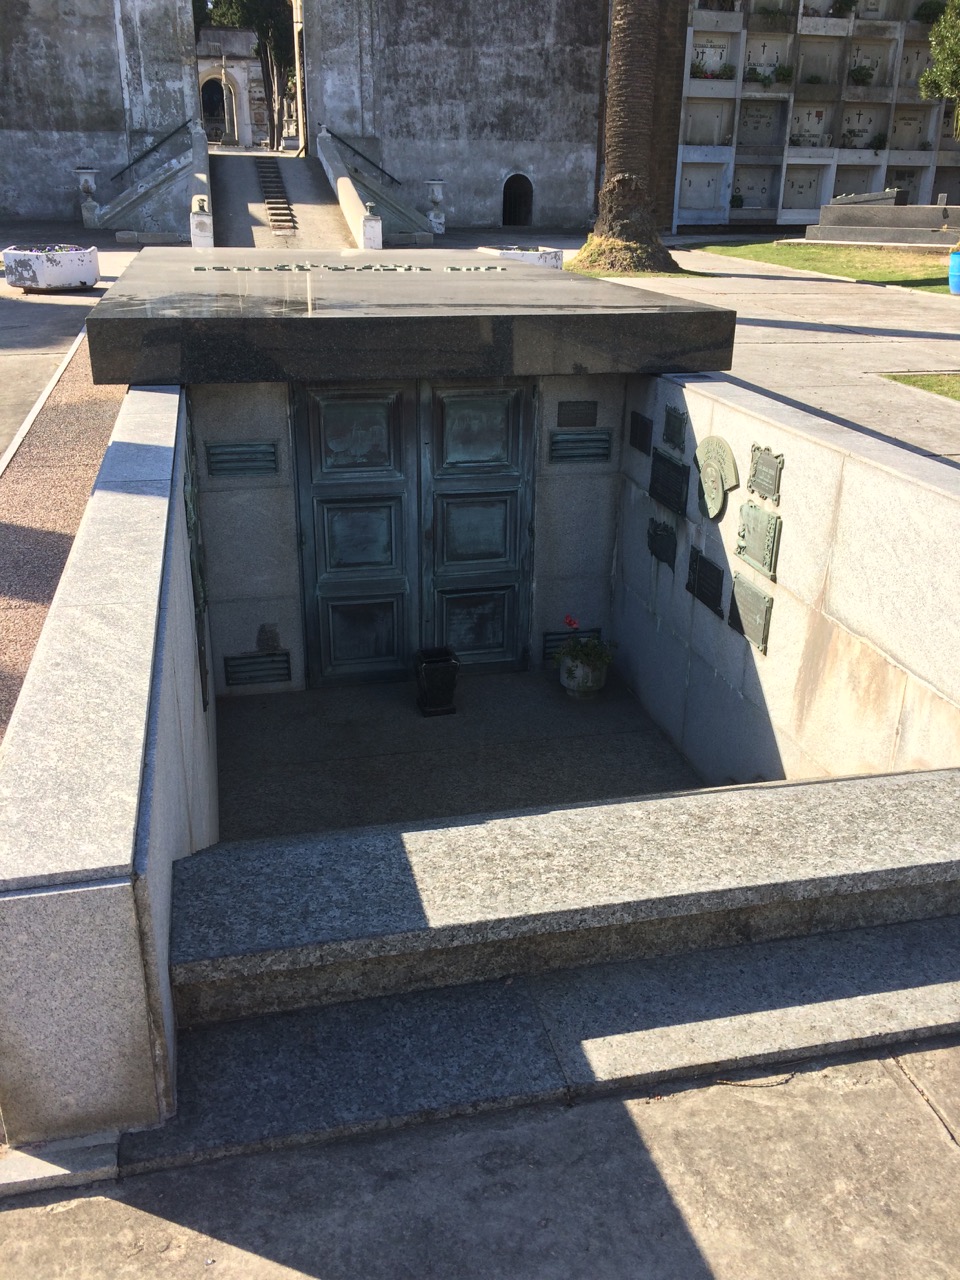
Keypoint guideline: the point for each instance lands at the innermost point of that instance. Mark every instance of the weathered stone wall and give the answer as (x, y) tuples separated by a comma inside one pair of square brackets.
[(468, 93), (92, 83)]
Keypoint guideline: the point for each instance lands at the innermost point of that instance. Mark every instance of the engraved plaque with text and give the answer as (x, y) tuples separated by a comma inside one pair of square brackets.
[(662, 542), (675, 428), (758, 539), (765, 470), (669, 482), (750, 610)]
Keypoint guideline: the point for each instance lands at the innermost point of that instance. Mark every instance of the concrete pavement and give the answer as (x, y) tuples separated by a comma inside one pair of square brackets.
[(820, 344), (847, 1169)]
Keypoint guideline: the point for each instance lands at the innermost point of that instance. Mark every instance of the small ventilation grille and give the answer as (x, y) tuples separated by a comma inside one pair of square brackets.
[(253, 458), (576, 415), (552, 640), (580, 446), (641, 432), (258, 668), (705, 581)]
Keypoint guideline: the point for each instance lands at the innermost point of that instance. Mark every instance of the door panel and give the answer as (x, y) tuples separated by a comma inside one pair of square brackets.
[(415, 513), (476, 469)]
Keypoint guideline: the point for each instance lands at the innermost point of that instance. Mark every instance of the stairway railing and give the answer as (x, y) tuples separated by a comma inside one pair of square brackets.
[(350, 147)]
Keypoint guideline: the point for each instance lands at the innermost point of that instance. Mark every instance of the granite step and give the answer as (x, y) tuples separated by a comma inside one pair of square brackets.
[(270, 925), (377, 1064)]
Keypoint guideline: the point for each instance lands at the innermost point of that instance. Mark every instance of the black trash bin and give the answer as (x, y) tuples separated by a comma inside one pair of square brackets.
[(436, 681)]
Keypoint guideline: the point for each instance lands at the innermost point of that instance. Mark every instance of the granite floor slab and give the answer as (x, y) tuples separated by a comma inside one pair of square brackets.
[(323, 760), (350, 1069), (373, 1064)]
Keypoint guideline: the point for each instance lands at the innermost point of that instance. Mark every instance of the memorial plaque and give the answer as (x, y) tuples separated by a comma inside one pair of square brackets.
[(662, 542), (641, 432), (765, 470), (669, 482), (718, 473), (675, 428), (758, 539), (705, 581), (750, 610)]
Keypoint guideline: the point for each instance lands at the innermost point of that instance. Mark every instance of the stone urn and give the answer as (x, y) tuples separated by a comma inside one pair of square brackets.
[(435, 215), (581, 680), (50, 268)]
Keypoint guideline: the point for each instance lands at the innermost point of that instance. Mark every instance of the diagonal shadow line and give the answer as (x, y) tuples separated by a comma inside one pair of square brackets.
[(848, 423), (859, 330)]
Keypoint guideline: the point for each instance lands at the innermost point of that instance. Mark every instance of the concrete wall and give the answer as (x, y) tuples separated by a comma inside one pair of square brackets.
[(860, 674), (250, 532), (469, 94), (92, 816), (89, 84)]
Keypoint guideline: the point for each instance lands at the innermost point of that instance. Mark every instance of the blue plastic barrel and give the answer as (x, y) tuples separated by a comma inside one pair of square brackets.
[(954, 274)]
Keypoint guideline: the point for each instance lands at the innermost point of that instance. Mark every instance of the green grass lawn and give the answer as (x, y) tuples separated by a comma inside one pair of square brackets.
[(859, 262), (941, 384)]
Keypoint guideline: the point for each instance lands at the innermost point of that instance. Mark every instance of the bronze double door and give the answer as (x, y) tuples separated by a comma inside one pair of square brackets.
[(416, 504)]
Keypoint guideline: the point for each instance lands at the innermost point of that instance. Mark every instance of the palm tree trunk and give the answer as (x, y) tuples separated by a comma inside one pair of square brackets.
[(626, 197)]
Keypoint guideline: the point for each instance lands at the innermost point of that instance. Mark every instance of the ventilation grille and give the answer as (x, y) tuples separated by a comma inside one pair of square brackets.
[(255, 458), (669, 482), (662, 542), (641, 432), (552, 640), (258, 668), (705, 581), (576, 415), (580, 446)]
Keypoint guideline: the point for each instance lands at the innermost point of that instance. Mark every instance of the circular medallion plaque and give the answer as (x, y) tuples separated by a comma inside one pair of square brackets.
[(718, 473)]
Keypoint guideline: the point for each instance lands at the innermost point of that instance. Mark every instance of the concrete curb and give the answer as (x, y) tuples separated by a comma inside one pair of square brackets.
[(15, 443)]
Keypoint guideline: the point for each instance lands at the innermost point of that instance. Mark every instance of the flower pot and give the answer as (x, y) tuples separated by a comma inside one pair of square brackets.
[(953, 277), (50, 268), (436, 681), (581, 681)]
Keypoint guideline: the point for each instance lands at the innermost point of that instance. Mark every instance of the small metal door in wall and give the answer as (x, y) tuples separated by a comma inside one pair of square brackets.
[(416, 509)]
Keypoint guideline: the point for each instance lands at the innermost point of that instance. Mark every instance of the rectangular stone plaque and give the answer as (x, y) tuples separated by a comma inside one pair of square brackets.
[(750, 610), (641, 432), (758, 539), (669, 482), (765, 469), (705, 581), (674, 428), (662, 542)]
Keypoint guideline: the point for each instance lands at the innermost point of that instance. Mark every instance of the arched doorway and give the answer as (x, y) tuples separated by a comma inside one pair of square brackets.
[(517, 201), (219, 115)]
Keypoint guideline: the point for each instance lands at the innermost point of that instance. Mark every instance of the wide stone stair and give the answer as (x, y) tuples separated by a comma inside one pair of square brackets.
[(350, 981)]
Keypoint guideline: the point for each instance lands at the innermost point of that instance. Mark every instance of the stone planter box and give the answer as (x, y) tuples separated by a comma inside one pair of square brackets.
[(534, 256), (50, 268)]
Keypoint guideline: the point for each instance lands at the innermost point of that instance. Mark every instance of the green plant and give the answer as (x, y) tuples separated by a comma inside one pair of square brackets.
[(814, 80), (736, 201), (591, 651), (930, 11), (782, 73), (878, 142), (727, 72), (942, 79), (698, 71), (842, 8), (861, 74), (755, 76)]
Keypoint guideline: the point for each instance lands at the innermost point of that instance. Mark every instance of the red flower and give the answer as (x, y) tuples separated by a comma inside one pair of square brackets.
[(571, 621)]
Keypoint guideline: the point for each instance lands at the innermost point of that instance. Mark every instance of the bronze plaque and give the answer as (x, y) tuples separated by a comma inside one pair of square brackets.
[(718, 473), (758, 539), (750, 610), (765, 471), (675, 428)]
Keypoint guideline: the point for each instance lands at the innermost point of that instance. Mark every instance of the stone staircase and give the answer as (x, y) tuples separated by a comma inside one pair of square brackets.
[(350, 981)]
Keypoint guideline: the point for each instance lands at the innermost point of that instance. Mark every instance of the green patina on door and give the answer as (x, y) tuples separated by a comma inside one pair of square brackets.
[(416, 516)]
